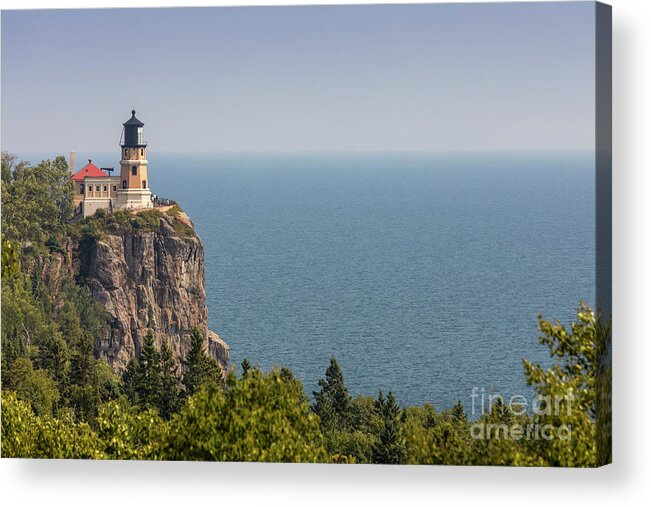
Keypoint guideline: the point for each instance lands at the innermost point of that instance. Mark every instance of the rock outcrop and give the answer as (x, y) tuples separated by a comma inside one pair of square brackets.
[(150, 280)]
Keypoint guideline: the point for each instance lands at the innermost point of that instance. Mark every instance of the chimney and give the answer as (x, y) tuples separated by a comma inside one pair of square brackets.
[(72, 163)]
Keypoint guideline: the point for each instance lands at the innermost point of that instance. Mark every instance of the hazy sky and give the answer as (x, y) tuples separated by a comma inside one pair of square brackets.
[(398, 77)]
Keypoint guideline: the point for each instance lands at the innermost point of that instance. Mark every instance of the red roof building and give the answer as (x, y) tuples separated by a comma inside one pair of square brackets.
[(90, 170)]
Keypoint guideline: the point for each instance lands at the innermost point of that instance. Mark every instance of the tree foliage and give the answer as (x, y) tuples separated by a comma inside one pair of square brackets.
[(389, 447), (568, 389), (260, 417), (199, 369), (36, 201), (332, 402)]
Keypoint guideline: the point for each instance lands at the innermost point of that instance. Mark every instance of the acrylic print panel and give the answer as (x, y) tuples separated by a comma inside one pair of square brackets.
[(339, 234)]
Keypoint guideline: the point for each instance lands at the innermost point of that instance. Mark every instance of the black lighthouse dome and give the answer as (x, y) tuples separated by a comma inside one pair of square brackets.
[(133, 132)]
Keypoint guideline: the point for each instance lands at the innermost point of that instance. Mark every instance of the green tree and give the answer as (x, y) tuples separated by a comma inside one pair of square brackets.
[(567, 390), (34, 386), (332, 403), (124, 432), (131, 381), (170, 400), (26, 435), (436, 438), (493, 442), (390, 447), (54, 357), (82, 362), (458, 413), (36, 201), (152, 381), (260, 417), (91, 380), (150, 385), (199, 369)]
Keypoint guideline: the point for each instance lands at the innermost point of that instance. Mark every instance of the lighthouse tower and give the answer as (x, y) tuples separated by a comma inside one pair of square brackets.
[(134, 190)]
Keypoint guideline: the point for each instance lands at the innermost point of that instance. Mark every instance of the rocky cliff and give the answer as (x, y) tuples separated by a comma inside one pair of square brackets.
[(148, 272)]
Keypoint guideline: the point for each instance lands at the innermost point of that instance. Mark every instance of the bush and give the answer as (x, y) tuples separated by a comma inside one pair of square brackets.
[(174, 211)]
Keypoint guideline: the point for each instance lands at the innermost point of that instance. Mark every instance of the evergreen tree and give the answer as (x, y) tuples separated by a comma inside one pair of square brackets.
[(332, 402), (83, 392), (81, 361), (458, 413), (389, 448), (150, 384), (131, 381), (170, 400), (54, 356), (199, 368)]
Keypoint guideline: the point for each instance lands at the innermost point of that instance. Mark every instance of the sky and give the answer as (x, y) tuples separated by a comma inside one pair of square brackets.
[(453, 77)]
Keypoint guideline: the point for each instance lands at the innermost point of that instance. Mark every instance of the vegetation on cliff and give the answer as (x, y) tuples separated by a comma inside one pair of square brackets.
[(49, 326), (61, 401), (122, 222)]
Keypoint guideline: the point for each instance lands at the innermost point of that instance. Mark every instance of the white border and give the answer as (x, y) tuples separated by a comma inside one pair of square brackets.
[(31, 482)]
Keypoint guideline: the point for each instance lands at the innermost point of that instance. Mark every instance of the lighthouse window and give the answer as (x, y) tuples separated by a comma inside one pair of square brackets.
[(142, 152), (144, 183), (134, 170), (126, 152), (139, 135)]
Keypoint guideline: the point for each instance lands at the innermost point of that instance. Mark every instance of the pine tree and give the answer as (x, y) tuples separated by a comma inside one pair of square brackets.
[(150, 385), (332, 402), (54, 356), (389, 448), (199, 368), (170, 400), (131, 380), (458, 413), (82, 361)]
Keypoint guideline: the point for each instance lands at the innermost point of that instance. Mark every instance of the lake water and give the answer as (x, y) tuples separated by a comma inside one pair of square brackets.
[(421, 273)]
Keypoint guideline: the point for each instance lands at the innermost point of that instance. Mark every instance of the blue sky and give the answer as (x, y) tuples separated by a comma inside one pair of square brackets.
[(393, 77)]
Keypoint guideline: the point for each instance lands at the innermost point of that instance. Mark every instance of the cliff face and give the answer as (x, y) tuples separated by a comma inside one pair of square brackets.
[(150, 281)]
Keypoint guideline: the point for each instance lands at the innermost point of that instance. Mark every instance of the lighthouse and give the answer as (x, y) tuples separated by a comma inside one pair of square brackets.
[(133, 189)]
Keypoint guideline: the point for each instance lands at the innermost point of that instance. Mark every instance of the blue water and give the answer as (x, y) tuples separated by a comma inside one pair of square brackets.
[(421, 273)]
